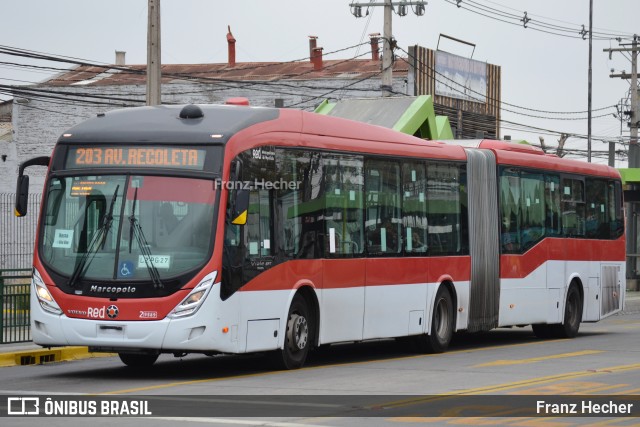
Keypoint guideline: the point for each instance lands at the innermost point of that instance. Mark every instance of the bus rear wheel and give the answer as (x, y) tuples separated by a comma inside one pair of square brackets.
[(442, 324), (572, 318), (298, 336), (135, 360), (572, 314)]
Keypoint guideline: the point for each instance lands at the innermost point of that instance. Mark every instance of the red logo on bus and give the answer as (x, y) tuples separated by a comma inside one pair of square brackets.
[(112, 311)]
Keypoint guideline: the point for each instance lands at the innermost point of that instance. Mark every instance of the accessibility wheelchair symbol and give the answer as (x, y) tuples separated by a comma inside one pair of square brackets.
[(125, 269)]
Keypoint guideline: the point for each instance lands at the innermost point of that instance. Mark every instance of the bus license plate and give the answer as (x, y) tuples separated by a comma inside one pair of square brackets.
[(158, 261)]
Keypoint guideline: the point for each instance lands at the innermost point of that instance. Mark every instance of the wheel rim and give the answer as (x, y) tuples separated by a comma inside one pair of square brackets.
[(297, 333), (573, 309), (442, 319)]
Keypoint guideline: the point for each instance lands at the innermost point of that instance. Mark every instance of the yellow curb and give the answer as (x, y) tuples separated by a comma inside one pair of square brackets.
[(56, 354)]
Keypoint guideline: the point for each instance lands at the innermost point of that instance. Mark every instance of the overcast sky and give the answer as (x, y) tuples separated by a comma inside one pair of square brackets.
[(540, 71)]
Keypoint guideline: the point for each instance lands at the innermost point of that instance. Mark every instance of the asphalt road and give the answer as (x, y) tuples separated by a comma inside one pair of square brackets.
[(377, 383)]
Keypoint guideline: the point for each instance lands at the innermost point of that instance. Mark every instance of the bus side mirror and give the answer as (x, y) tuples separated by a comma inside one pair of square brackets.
[(22, 187), (240, 208), (22, 195)]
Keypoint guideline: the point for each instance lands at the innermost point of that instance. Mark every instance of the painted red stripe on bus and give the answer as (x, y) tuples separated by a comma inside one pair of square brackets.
[(520, 266), (350, 273)]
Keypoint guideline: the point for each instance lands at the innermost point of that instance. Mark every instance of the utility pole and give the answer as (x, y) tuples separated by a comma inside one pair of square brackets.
[(634, 114), (634, 154), (389, 42), (387, 51), (635, 117), (590, 85), (154, 74)]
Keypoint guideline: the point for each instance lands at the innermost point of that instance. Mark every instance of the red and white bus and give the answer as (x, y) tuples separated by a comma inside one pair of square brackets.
[(234, 229)]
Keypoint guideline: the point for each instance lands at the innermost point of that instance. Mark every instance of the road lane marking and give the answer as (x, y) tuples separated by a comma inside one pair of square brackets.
[(537, 359), (190, 382), (38, 392), (333, 365), (572, 388), (266, 423), (512, 385)]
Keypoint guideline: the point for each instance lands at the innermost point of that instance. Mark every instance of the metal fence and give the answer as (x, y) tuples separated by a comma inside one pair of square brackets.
[(14, 295), (17, 237)]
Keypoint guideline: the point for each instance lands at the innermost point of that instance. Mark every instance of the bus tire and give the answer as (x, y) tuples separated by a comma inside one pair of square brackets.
[(442, 324), (572, 314), (135, 360), (298, 336), (571, 321)]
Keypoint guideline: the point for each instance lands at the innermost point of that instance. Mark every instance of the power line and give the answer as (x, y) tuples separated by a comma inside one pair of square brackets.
[(523, 19), (609, 32)]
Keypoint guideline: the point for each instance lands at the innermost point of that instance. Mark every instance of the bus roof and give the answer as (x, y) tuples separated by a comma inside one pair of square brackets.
[(525, 155), (163, 124), (552, 162), (307, 129), (217, 124)]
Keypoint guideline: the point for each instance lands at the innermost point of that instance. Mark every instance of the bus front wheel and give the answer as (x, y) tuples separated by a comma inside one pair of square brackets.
[(442, 324), (297, 339)]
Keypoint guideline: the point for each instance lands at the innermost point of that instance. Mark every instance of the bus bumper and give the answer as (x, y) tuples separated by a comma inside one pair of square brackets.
[(198, 333)]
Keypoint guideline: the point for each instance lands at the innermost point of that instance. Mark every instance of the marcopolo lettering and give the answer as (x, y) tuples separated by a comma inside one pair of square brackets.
[(113, 289)]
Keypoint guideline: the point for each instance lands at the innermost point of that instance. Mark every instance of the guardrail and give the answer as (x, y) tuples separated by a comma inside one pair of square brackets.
[(14, 300)]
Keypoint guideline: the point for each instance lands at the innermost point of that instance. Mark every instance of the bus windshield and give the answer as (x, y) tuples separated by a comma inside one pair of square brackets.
[(127, 228)]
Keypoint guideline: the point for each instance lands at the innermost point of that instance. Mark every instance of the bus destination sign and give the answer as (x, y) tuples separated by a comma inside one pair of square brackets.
[(159, 157)]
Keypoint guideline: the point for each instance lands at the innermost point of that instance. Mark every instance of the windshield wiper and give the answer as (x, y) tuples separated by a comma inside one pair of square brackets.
[(136, 230), (97, 242)]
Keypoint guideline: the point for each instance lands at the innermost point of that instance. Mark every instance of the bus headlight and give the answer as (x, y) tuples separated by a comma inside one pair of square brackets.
[(196, 297), (45, 298)]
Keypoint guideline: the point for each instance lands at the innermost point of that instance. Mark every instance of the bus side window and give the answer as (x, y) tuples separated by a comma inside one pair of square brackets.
[(532, 209), (597, 224), (617, 208), (552, 206), (510, 210), (258, 227), (573, 208), (444, 209), (414, 208), (343, 187), (383, 222), (297, 227)]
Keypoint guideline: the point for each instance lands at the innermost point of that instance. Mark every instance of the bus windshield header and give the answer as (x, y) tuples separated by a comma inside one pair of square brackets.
[(149, 157)]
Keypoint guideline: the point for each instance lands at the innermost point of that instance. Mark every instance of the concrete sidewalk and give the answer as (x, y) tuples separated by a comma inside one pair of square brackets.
[(29, 353)]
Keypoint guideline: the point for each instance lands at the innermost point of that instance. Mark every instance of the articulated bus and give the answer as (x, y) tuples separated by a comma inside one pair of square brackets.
[(226, 229)]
